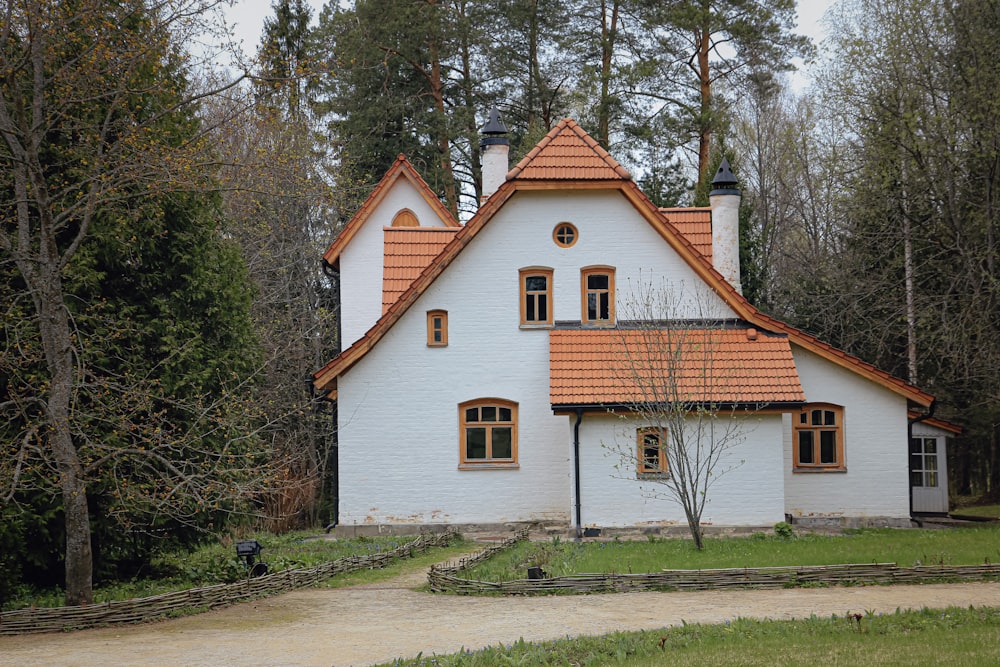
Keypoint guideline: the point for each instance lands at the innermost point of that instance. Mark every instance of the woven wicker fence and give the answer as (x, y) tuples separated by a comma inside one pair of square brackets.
[(446, 579), (138, 610)]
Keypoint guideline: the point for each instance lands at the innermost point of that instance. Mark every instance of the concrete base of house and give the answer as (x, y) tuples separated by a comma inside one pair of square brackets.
[(547, 530), (849, 522)]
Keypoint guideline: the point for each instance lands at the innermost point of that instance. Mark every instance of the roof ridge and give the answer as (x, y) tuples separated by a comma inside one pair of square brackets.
[(598, 164)]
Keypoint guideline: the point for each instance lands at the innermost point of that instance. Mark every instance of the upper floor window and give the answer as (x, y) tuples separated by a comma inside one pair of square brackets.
[(651, 453), (818, 437), (536, 296), (598, 290), (437, 328), (488, 432), (565, 235), (405, 218)]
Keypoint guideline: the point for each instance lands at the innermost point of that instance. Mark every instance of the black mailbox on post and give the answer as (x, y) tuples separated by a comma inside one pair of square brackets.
[(249, 550), (245, 548)]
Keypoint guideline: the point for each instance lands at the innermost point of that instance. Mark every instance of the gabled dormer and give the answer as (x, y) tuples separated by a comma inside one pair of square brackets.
[(388, 242)]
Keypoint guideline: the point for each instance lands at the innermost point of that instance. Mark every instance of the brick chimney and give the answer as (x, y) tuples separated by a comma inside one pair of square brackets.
[(495, 147), (725, 201)]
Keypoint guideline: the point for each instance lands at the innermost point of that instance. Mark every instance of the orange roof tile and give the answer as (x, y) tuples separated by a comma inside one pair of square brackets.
[(568, 153), (401, 168), (694, 224), (582, 146), (627, 366), (408, 251)]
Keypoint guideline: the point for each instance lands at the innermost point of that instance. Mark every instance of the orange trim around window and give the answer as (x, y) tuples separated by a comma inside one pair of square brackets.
[(818, 438), (651, 451), (487, 433), (597, 289), (437, 328), (536, 296)]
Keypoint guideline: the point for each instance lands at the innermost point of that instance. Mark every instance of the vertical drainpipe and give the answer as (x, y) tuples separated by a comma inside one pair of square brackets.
[(576, 471)]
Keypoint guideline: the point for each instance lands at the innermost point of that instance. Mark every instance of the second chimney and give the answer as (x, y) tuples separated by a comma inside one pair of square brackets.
[(495, 147)]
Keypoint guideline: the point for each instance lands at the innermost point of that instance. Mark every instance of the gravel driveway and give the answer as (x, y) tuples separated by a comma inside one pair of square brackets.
[(379, 622)]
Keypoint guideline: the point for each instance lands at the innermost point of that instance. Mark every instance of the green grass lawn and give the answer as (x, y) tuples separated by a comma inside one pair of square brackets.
[(905, 547), (984, 511), (216, 562), (965, 637)]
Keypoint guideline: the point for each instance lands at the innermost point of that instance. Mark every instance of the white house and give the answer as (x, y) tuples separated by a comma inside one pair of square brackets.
[(483, 378)]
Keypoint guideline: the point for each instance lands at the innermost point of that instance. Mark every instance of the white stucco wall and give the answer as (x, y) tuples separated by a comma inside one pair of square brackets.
[(398, 407), (876, 483), (748, 493), (361, 262)]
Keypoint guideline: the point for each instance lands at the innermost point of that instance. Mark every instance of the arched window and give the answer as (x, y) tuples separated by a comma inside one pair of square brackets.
[(488, 433), (536, 296), (818, 438), (597, 286), (405, 218)]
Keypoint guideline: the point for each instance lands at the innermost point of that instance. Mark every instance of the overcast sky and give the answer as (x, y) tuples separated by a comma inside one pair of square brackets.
[(248, 18)]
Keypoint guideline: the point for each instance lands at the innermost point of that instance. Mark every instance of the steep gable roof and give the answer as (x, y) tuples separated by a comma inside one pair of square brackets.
[(400, 169), (606, 367), (567, 153), (407, 252), (590, 166)]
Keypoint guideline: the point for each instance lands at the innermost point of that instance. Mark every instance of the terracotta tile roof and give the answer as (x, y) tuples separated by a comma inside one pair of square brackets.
[(615, 366), (325, 379), (694, 224), (567, 153), (401, 168), (408, 251)]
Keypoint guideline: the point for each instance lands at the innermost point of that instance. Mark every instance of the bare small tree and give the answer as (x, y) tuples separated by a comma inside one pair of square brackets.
[(686, 384)]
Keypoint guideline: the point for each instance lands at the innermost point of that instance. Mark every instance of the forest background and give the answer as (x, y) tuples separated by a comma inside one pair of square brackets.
[(167, 199)]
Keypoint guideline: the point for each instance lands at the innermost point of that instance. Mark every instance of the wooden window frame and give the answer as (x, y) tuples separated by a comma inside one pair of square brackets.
[(565, 234), (525, 295), (929, 476), (585, 291), (464, 425), (798, 428), (662, 467), (432, 329), (405, 218)]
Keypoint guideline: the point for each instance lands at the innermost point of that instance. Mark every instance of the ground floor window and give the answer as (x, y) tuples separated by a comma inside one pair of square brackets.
[(488, 429), (818, 437), (923, 462), (651, 451)]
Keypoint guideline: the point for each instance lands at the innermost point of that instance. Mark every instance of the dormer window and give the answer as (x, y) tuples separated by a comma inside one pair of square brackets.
[(536, 296), (598, 291)]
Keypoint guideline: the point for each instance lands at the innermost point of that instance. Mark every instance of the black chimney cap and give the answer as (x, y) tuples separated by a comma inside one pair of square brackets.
[(725, 182), (494, 131)]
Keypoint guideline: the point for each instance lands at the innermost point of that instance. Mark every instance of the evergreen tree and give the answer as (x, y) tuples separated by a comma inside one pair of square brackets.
[(132, 311)]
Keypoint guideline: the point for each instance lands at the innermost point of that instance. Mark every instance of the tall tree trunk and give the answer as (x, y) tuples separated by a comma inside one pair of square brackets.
[(444, 142), (609, 31), (54, 326), (705, 119)]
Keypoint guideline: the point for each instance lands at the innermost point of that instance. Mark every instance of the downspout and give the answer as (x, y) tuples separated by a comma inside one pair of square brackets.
[(576, 471), (333, 273), (909, 437)]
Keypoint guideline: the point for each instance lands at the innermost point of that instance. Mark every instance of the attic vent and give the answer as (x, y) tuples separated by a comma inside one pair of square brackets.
[(751, 334), (405, 218)]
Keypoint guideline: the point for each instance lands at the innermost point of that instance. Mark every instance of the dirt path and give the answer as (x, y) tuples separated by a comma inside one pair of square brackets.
[(377, 623)]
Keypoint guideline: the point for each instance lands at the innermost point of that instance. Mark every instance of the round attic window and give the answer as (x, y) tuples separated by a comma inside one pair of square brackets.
[(565, 235)]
